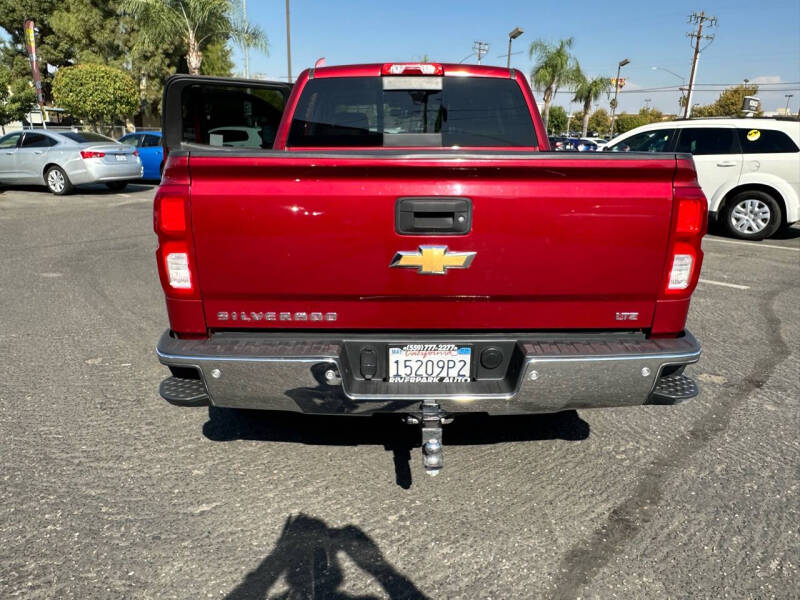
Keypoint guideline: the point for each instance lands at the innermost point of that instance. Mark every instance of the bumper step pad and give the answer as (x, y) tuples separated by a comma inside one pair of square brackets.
[(673, 389), (183, 392)]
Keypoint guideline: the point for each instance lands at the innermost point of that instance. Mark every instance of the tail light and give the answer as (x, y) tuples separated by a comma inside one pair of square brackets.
[(689, 222), (171, 222), (412, 69), (136, 153), (92, 154)]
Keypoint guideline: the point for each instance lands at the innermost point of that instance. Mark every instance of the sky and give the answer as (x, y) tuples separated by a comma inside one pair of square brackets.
[(754, 40)]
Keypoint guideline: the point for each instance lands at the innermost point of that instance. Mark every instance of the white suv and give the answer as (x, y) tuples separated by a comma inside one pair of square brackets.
[(749, 169)]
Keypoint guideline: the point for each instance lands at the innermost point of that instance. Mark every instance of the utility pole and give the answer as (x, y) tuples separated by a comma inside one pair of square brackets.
[(699, 20), (620, 64), (480, 48), (246, 48), (788, 97), (288, 44)]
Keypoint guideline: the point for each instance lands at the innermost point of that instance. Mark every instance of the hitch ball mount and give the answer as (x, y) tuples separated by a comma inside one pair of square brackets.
[(431, 420)]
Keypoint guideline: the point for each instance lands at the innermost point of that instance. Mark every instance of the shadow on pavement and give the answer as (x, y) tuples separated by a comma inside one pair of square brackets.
[(784, 233), (787, 233), (226, 424), (307, 555)]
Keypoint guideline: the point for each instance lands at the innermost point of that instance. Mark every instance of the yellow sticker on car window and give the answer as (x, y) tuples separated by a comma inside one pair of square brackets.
[(753, 135)]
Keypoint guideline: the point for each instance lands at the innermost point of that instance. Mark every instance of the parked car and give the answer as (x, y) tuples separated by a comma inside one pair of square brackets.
[(332, 274), (568, 143), (598, 140), (561, 143), (61, 160), (148, 143), (749, 169), (247, 137)]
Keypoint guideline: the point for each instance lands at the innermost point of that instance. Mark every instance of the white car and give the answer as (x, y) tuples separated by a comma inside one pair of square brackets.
[(749, 169), (249, 137)]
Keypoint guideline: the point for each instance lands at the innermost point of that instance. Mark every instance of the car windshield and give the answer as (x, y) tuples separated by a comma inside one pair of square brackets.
[(84, 137)]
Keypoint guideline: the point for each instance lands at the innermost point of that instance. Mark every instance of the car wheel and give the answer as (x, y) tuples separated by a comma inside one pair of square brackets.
[(116, 186), (751, 215), (57, 181)]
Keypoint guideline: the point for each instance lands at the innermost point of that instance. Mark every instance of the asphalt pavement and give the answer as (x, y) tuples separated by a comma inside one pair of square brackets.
[(107, 491)]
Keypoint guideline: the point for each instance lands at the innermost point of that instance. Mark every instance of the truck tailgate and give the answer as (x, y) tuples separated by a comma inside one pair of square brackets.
[(560, 242)]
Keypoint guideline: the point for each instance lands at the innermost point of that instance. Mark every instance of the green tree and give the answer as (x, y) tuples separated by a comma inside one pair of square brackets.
[(50, 49), (17, 98), (86, 31), (558, 120), (555, 66), (217, 60), (96, 93), (600, 122), (195, 23), (627, 121), (589, 91), (729, 103), (652, 115)]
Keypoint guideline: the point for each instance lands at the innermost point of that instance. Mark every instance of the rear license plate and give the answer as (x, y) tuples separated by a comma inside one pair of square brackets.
[(429, 363), (121, 157)]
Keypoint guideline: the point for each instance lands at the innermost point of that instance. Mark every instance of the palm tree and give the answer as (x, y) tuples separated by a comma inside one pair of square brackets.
[(588, 91), (194, 23), (554, 67)]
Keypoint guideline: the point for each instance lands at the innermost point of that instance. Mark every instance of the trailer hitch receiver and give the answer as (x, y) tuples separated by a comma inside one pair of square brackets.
[(432, 454)]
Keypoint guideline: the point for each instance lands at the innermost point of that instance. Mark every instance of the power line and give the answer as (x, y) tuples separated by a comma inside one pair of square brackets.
[(715, 87)]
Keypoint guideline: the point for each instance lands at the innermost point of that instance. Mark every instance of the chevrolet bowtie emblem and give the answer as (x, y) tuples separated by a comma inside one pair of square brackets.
[(433, 260)]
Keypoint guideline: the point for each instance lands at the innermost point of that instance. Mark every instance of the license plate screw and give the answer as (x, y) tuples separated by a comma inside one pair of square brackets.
[(534, 375), (216, 373), (645, 371)]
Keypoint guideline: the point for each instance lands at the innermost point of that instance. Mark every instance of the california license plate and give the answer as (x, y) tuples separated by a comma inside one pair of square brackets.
[(121, 157), (429, 363)]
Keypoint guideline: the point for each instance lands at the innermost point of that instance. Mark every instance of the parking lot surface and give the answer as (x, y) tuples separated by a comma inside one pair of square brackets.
[(107, 491)]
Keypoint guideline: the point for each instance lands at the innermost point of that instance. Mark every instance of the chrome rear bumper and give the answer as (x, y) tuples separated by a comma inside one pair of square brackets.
[(548, 373)]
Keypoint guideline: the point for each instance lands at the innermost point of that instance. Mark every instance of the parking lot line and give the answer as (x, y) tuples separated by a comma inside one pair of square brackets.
[(751, 244), (735, 286)]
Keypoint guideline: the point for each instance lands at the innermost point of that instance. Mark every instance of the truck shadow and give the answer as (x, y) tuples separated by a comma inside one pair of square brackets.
[(307, 556), (226, 424)]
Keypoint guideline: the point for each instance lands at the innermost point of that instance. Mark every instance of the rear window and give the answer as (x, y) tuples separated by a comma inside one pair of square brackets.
[(765, 141), (83, 137), (452, 111)]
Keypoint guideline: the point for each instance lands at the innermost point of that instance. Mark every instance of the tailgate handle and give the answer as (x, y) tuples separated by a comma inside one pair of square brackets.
[(433, 216)]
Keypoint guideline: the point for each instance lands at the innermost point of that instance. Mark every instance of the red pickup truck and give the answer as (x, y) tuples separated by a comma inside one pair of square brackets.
[(398, 238)]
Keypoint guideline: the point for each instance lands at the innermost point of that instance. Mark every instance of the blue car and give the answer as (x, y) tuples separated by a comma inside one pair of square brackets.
[(148, 143)]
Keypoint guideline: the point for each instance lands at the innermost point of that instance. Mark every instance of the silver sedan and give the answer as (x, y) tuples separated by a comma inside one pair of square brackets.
[(61, 160)]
